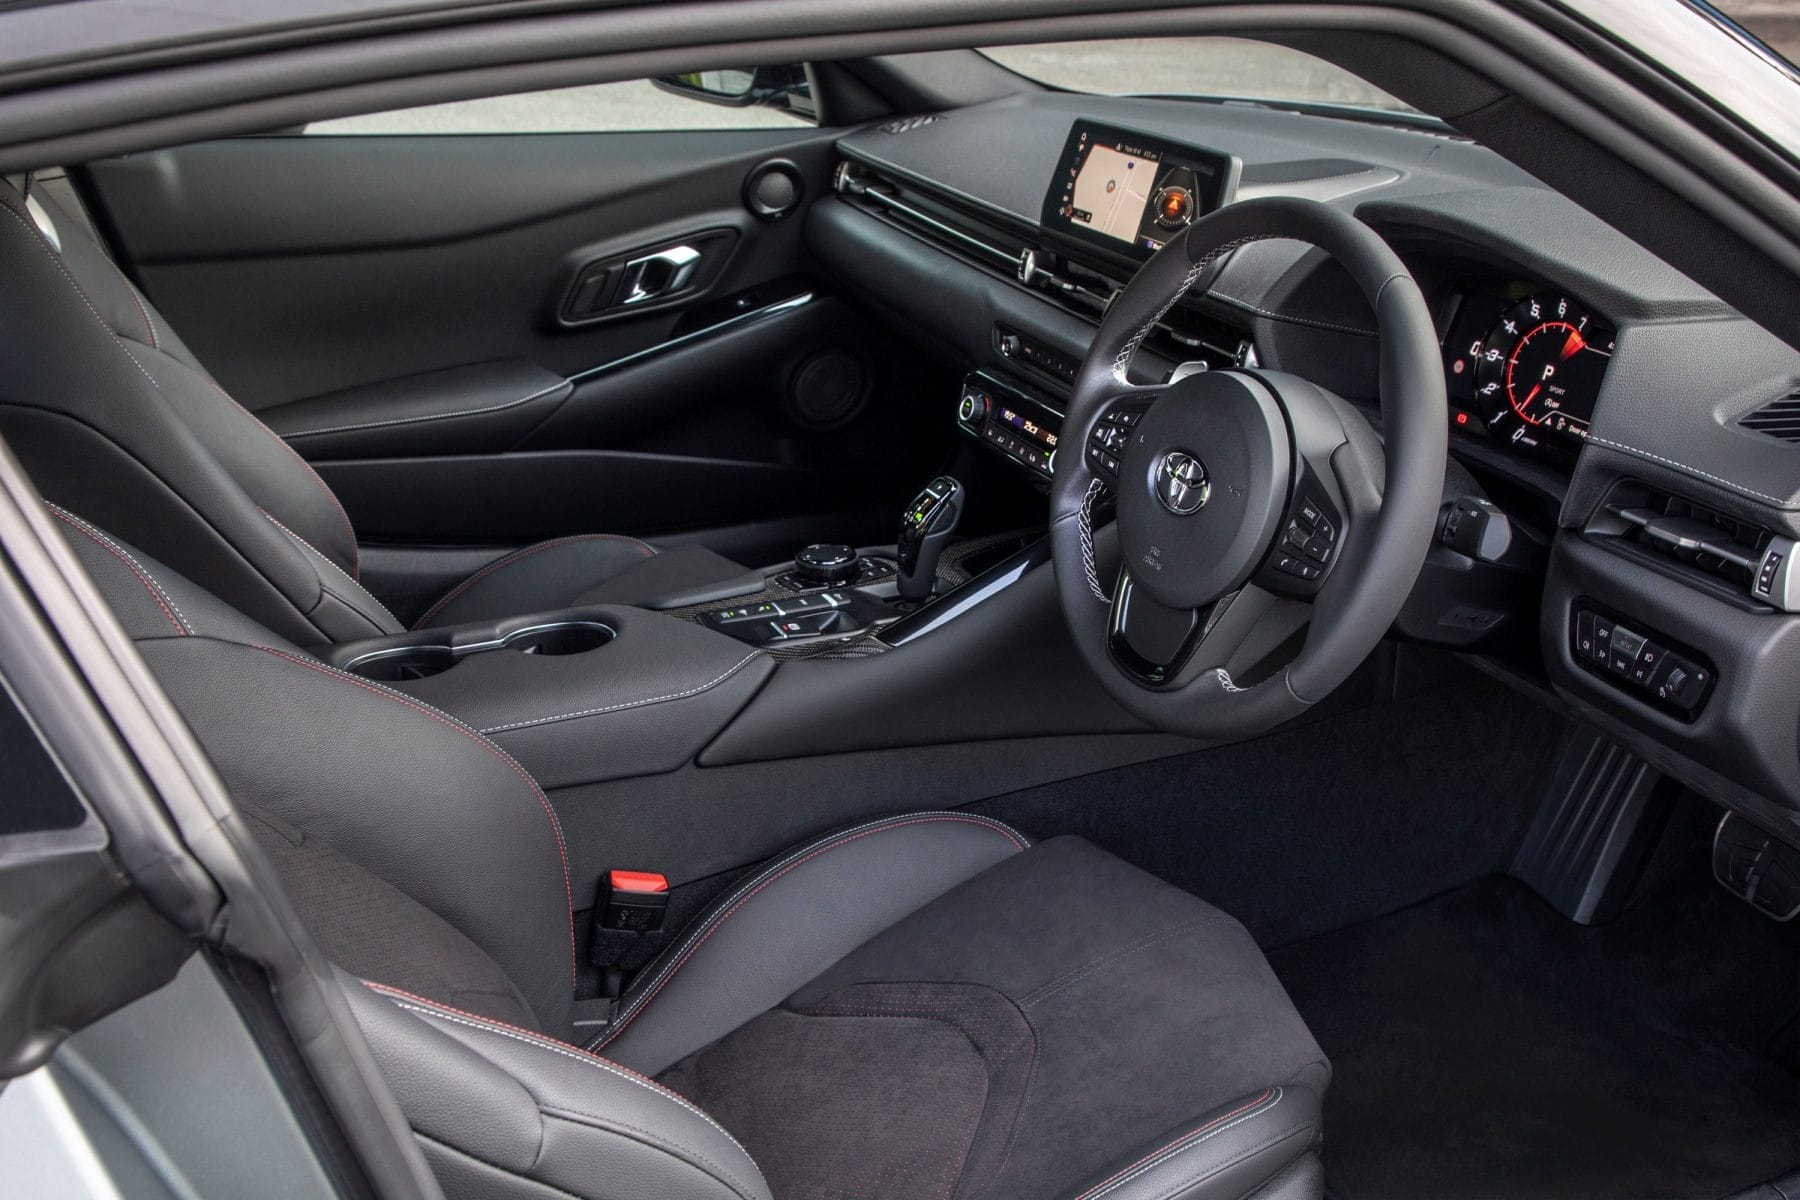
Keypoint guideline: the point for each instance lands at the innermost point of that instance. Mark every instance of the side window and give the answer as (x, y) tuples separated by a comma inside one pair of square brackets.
[(763, 98)]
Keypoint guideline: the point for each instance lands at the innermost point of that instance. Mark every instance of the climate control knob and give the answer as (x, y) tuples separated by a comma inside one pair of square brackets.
[(972, 409)]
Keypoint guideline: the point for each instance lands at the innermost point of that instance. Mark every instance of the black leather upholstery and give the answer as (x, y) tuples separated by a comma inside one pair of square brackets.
[(499, 1109), (116, 420), (923, 1006), (790, 921), (592, 568)]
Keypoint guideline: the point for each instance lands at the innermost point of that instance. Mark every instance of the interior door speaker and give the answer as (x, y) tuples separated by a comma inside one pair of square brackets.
[(828, 388), (773, 189)]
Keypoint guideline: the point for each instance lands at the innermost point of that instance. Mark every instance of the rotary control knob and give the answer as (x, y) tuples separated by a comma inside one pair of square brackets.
[(972, 409), (827, 563)]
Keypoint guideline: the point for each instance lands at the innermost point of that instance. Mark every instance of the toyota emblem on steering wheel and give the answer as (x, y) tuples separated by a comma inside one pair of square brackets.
[(1181, 483)]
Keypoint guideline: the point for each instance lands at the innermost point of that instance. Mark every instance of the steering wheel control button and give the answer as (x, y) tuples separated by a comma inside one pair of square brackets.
[(1640, 663), (1111, 436), (1297, 565)]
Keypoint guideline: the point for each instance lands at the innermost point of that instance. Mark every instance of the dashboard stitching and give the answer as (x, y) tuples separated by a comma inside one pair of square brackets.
[(446, 416), (1087, 540), (1736, 487)]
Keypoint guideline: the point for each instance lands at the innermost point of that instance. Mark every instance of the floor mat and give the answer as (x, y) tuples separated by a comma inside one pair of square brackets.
[(1313, 828), (1484, 1048)]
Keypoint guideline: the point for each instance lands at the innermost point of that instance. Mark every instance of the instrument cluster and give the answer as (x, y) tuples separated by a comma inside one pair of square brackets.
[(1524, 365)]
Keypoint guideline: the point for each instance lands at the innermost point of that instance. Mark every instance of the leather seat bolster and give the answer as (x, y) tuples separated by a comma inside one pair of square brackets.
[(790, 921), (525, 1112), (1226, 1154)]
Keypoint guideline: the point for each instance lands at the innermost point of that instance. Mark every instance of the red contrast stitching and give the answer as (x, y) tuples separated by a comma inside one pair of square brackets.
[(555, 825), (514, 557), (155, 592), (689, 953), (555, 1043), (1188, 1136), (390, 990)]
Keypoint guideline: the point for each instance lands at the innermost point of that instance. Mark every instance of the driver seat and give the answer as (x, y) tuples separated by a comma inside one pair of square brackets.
[(922, 1007), (115, 418)]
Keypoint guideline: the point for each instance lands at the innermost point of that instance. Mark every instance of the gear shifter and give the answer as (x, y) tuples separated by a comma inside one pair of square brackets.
[(925, 527)]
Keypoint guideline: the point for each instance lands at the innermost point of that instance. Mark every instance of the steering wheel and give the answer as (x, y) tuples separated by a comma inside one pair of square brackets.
[(1267, 537)]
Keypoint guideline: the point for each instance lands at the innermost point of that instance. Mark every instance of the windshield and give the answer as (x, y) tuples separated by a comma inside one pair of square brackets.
[(1775, 22), (1196, 66)]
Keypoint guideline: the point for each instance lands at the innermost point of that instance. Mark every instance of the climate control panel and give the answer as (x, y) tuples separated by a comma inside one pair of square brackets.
[(1020, 425)]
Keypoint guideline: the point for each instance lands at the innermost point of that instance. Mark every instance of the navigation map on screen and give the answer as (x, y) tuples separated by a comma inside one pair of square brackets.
[(1127, 193), (1112, 190)]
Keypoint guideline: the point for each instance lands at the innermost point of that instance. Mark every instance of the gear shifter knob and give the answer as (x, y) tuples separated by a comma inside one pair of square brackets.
[(925, 527)]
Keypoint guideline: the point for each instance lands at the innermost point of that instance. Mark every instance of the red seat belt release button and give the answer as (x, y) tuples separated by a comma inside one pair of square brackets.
[(637, 881)]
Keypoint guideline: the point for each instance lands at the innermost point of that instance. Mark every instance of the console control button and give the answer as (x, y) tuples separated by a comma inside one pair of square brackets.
[(827, 562), (1639, 664)]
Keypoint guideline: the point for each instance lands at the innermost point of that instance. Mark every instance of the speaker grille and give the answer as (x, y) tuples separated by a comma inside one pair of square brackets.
[(827, 389)]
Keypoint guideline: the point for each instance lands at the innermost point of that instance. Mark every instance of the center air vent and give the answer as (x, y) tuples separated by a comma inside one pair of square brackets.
[(1006, 245), (1778, 418)]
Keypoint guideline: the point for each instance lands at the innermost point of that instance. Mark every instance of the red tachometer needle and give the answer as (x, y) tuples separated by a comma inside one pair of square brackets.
[(1531, 395), (1575, 345)]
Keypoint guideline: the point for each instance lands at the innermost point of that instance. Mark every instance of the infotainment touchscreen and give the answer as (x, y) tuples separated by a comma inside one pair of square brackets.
[(1130, 192)]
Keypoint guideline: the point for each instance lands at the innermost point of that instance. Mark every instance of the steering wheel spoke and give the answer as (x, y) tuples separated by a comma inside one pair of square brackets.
[(1158, 645), (1149, 640)]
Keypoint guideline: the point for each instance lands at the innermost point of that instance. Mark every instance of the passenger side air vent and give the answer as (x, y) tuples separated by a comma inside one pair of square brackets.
[(1712, 547), (1778, 419)]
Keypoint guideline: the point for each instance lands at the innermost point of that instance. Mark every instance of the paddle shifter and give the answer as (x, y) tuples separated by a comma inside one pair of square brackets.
[(925, 527)]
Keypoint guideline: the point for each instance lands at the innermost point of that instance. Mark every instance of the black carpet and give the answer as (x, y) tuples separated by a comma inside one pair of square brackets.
[(1315, 827), (1484, 1048)]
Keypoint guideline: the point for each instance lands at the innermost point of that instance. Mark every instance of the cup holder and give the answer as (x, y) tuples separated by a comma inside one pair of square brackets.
[(421, 662), (407, 662), (566, 637)]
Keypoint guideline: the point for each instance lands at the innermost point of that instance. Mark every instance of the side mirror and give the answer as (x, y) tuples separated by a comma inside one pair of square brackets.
[(769, 87)]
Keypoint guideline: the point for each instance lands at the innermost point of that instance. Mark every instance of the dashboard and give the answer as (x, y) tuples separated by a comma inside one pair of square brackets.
[(1625, 424)]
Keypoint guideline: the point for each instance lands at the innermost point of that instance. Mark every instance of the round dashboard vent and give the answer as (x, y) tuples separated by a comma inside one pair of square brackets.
[(774, 189)]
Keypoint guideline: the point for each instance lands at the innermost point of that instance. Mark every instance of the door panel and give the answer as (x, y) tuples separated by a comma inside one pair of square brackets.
[(406, 310)]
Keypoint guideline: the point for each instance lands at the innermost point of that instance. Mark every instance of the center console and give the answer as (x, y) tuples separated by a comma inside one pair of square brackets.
[(582, 695)]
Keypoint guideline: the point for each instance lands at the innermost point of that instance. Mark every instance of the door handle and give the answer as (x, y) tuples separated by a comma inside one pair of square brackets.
[(661, 274)]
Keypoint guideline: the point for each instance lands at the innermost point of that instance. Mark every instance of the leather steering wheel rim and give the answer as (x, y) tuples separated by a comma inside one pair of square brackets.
[(1382, 551)]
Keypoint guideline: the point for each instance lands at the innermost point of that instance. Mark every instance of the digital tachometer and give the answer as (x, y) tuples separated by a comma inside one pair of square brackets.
[(1538, 371)]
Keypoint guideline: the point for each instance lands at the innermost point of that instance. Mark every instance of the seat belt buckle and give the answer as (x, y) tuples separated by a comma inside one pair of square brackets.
[(635, 902), (629, 910)]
